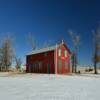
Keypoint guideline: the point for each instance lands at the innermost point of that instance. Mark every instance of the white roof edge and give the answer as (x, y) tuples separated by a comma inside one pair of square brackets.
[(42, 50)]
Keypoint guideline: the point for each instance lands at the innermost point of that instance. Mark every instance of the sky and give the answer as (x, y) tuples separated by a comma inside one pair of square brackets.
[(50, 20)]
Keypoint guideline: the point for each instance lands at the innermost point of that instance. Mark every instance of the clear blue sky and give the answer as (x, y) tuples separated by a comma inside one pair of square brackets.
[(50, 18)]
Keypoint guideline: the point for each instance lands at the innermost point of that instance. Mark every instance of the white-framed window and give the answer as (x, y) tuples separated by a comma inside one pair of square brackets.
[(65, 53), (59, 52)]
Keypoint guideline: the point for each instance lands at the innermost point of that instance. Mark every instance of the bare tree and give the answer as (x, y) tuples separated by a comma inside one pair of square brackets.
[(7, 53), (18, 63), (76, 41), (96, 48), (32, 41), (49, 42)]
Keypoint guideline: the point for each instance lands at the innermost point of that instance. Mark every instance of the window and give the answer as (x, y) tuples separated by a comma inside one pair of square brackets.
[(59, 52), (65, 53)]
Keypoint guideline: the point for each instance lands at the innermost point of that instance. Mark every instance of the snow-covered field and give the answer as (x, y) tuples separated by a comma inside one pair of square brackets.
[(49, 87)]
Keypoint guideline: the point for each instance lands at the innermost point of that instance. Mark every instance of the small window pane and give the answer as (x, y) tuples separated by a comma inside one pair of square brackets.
[(65, 53), (59, 52)]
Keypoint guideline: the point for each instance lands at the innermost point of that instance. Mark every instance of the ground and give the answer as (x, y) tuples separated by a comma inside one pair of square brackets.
[(49, 87)]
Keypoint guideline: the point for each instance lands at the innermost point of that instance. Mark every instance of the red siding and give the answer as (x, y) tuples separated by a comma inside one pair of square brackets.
[(50, 59), (65, 67), (46, 59)]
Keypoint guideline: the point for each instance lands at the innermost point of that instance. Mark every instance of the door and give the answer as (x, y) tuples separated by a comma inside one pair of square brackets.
[(48, 68)]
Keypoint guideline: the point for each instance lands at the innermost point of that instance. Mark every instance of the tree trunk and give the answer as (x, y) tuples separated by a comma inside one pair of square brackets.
[(75, 68), (72, 66), (75, 63), (95, 67)]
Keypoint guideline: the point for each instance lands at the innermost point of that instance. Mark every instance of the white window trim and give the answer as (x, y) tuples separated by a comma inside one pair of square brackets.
[(59, 52), (65, 53)]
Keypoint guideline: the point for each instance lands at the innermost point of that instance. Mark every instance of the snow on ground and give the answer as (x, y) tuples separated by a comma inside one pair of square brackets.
[(49, 87)]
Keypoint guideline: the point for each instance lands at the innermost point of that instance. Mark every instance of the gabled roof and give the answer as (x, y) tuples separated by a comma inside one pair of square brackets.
[(51, 48)]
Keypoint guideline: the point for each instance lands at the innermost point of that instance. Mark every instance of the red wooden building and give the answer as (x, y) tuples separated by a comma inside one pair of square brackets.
[(52, 60)]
